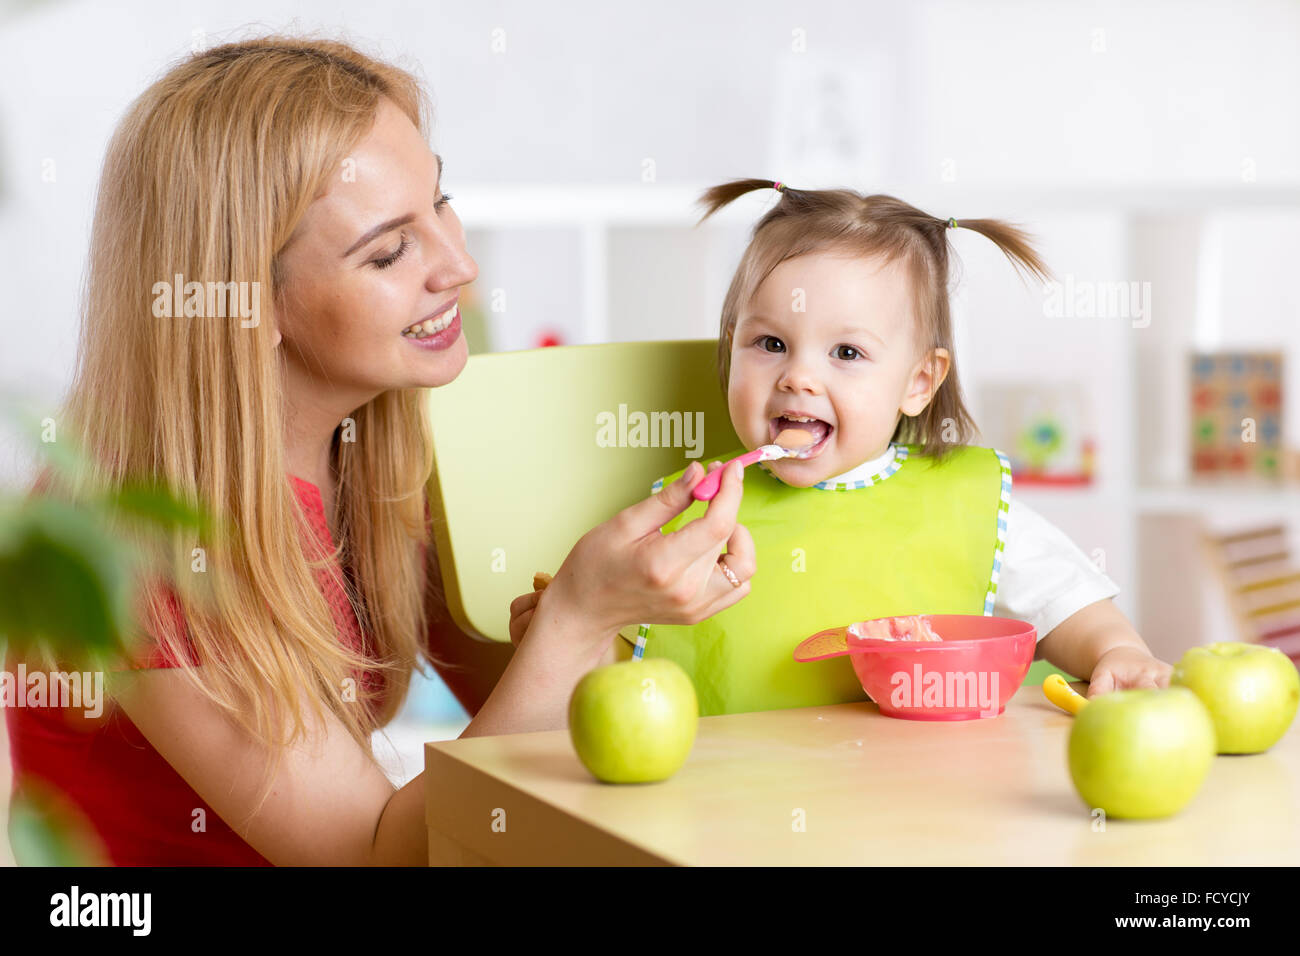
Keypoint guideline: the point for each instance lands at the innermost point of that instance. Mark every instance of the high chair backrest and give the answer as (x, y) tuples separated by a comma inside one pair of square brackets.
[(533, 449)]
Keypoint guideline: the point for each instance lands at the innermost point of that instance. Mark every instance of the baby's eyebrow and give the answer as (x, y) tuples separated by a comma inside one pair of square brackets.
[(860, 329), (754, 318)]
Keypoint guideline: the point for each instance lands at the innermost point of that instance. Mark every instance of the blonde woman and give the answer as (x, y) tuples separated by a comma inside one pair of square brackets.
[(295, 173)]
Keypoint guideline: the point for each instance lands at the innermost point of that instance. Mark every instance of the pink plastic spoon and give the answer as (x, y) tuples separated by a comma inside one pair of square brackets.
[(791, 443)]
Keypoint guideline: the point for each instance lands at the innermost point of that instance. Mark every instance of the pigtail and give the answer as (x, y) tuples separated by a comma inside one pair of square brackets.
[(725, 193), (1014, 242)]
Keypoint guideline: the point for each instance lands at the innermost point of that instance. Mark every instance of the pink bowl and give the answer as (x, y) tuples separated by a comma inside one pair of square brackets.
[(973, 672)]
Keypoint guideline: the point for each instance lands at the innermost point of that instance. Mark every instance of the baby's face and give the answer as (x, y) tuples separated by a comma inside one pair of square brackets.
[(848, 359)]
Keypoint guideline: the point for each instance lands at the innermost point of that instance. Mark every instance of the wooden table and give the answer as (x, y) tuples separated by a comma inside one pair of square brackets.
[(844, 785)]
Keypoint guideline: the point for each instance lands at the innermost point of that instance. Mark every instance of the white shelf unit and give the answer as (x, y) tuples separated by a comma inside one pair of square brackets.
[(623, 263)]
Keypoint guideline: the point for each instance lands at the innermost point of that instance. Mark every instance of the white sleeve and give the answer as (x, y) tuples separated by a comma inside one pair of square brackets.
[(1045, 577)]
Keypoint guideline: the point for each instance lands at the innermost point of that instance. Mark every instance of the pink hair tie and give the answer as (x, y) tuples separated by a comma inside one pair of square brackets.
[(778, 186)]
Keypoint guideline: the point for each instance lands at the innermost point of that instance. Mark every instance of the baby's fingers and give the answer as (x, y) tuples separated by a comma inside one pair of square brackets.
[(519, 627), (521, 613), (1102, 683), (525, 602)]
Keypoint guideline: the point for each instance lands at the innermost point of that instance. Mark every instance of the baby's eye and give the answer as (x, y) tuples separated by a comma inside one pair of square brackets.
[(853, 353), (766, 340)]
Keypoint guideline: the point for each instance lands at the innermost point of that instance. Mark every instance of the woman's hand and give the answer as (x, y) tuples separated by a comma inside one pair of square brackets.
[(621, 572), (626, 572)]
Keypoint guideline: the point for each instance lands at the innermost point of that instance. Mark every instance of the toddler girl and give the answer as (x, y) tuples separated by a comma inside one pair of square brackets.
[(837, 323)]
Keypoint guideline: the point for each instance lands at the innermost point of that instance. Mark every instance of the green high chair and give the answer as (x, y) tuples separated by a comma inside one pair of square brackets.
[(533, 449)]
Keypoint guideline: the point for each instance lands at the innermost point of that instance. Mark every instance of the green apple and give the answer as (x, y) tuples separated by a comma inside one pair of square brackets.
[(1251, 691), (634, 722), (1141, 754)]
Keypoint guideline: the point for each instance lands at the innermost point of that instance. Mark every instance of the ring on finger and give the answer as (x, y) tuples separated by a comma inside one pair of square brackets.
[(730, 575)]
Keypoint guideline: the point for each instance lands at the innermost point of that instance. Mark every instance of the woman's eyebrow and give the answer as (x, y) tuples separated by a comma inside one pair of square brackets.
[(391, 224)]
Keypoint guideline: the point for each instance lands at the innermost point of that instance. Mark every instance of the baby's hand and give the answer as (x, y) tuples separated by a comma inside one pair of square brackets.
[(1122, 668), (523, 607)]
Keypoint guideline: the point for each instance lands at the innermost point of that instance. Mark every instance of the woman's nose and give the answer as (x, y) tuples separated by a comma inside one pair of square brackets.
[(451, 264)]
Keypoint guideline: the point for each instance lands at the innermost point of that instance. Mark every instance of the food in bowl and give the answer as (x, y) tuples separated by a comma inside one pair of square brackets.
[(912, 672), (914, 628)]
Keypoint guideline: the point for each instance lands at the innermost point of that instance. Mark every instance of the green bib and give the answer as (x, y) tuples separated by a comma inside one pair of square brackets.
[(919, 537)]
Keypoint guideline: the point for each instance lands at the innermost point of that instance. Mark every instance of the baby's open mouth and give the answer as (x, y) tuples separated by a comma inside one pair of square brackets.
[(818, 430)]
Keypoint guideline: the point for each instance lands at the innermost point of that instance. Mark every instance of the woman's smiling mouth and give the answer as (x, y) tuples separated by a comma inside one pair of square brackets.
[(434, 323)]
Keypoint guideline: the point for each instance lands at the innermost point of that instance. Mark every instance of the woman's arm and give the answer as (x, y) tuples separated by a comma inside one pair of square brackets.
[(329, 805)]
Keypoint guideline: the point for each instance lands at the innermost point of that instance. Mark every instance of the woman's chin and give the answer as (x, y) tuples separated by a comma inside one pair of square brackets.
[(435, 369)]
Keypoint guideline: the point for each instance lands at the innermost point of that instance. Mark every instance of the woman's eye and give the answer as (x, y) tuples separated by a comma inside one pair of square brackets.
[(442, 201), (393, 256), (853, 353), (769, 340)]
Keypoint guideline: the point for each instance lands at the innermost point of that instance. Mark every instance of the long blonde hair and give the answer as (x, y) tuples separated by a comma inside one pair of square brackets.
[(207, 176)]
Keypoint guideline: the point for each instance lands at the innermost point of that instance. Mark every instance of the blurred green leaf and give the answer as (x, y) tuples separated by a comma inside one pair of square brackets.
[(155, 503), (45, 830), (66, 581)]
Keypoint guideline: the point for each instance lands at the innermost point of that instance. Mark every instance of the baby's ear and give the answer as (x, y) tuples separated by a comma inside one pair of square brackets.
[(927, 376)]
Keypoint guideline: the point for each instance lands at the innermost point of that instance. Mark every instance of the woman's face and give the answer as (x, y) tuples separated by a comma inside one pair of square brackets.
[(377, 254), (828, 337)]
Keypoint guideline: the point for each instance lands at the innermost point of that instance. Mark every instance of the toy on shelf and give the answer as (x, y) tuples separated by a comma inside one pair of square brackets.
[(1262, 582), (1045, 429), (1236, 414)]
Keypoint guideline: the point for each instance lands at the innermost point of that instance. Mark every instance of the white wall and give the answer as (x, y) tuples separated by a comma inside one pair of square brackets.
[(962, 95)]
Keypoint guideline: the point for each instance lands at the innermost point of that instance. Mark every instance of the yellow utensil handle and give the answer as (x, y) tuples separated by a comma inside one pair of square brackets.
[(1063, 695)]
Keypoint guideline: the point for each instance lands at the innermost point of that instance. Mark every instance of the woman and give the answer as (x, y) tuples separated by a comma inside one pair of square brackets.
[(297, 171)]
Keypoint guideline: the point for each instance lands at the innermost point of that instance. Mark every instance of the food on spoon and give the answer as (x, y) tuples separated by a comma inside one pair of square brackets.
[(914, 628), (793, 439)]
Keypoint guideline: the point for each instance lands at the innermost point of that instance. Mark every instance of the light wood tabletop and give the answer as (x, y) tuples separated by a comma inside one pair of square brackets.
[(845, 785)]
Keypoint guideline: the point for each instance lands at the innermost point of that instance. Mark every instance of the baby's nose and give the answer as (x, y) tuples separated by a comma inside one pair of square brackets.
[(800, 379)]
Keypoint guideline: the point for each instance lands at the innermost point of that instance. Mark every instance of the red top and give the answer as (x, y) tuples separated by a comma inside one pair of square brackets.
[(142, 809)]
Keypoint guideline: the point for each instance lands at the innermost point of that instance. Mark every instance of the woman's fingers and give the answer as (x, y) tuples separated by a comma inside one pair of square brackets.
[(711, 530), (741, 556), (716, 590), (648, 516), (724, 600)]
